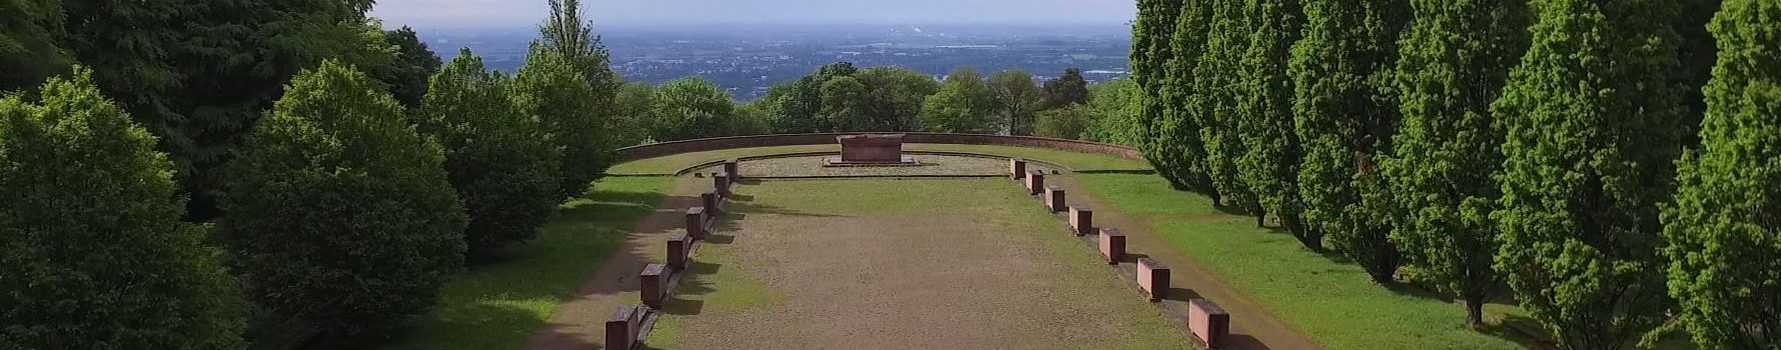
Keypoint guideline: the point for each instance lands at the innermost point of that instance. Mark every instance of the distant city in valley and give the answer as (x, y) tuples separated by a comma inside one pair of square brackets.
[(749, 59)]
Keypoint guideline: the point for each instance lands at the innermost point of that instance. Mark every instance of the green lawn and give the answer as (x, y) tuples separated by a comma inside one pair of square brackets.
[(1074, 160), (1332, 301), (500, 305)]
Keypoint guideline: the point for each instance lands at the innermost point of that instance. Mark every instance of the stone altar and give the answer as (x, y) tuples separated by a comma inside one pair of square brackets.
[(871, 150)]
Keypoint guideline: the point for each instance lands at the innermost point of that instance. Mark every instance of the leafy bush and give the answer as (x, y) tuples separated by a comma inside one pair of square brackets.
[(1065, 123), (551, 88), (338, 214), (92, 252), (501, 162)]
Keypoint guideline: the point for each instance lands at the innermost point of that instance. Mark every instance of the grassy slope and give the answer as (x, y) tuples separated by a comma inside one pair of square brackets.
[(1330, 300), (997, 201), (1075, 160), (501, 305)]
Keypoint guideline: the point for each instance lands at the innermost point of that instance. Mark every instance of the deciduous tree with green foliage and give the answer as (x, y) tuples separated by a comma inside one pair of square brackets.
[(963, 105), (91, 246), (1453, 62), (550, 88), (1066, 123), (799, 104), (633, 105), (1270, 164), (1113, 120), (1593, 127), (1345, 113), (414, 64), (568, 33), (1066, 90), (1017, 99), (340, 215), (691, 108), (1213, 105), (1724, 229), (501, 162), (892, 100)]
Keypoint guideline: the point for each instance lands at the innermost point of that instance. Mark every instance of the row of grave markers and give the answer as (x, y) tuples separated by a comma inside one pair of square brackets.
[(1205, 320), (627, 325)]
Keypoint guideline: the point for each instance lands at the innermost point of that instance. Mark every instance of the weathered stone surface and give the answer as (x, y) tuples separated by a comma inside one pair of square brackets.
[(1054, 198), (680, 251), (1112, 245), (695, 222), (1017, 168), (1035, 182), (1082, 220), (1208, 322), (712, 201), (872, 148), (1153, 277), (654, 280), (732, 168), (622, 327), (721, 183)]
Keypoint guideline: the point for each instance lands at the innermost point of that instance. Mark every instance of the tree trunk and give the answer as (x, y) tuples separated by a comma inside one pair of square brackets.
[(1475, 310)]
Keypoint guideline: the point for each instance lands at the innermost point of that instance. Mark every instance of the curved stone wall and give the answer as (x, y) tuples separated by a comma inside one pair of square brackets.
[(721, 143)]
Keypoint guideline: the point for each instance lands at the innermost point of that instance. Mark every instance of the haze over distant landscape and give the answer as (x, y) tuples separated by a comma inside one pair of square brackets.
[(746, 46)]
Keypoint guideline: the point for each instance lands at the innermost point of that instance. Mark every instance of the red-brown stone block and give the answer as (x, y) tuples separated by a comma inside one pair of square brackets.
[(654, 280), (1082, 220), (1054, 198), (1017, 168), (695, 222), (1153, 277), (1208, 322), (1035, 182), (680, 251), (622, 327), (712, 201), (872, 148), (721, 184), (1112, 245)]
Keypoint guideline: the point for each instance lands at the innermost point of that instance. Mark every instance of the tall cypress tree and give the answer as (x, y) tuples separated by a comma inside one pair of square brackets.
[(1345, 113), (1264, 115), (1593, 126), (1453, 61), (1214, 103), (1723, 233), (1175, 146), (1153, 54)]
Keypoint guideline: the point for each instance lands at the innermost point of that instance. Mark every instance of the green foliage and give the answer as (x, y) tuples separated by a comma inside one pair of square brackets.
[(1016, 100), (1067, 90), (1213, 105), (884, 99), (750, 119), (1453, 61), (1592, 126), (1269, 165), (798, 106), (691, 108), (28, 47), (1722, 233), (1345, 113), (414, 64), (1066, 123), (1171, 136), (632, 107), (1696, 55), (963, 105), (91, 246), (550, 88), (1113, 120), (502, 163), (340, 216)]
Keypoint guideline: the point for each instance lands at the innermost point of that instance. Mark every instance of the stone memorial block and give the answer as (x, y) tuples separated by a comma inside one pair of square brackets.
[(1112, 245), (695, 222), (731, 168), (680, 251), (654, 280), (712, 201), (1153, 277), (1054, 198), (622, 327), (1082, 220), (1208, 322), (1035, 182), (721, 183), (1017, 168), (882, 148)]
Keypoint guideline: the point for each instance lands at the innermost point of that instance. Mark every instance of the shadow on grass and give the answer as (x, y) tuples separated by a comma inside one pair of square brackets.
[(741, 211)]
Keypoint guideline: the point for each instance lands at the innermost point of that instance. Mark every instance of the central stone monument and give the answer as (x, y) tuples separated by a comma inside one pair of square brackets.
[(870, 150)]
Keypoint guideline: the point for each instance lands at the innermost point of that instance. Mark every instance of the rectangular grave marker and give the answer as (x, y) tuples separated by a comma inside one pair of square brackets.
[(1035, 182), (1054, 198), (1112, 245), (680, 251), (654, 280), (1153, 277), (713, 202), (1017, 168), (695, 222), (621, 327), (732, 168), (721, 183), (1082, 220), (1208, 322)]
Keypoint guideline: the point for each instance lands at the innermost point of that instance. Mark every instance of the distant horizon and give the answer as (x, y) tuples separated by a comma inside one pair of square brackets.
[(500, 14)]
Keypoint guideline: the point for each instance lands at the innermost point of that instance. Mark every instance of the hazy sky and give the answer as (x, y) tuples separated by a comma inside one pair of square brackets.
[(516, 13)]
